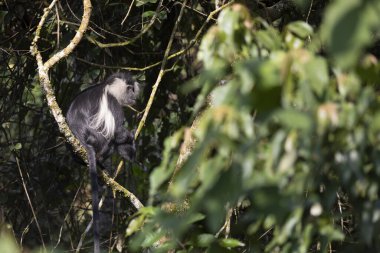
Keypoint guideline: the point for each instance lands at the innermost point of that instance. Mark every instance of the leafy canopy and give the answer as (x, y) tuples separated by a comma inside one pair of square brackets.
[(284, 136)]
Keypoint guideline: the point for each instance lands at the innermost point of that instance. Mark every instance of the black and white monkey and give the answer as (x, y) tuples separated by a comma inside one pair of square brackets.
[(96, 118)]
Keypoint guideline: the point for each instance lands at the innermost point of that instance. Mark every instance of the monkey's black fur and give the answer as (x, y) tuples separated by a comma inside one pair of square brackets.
[(96, 118)]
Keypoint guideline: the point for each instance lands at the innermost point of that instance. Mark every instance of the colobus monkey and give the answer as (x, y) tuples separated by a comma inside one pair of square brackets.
[(96, 118)]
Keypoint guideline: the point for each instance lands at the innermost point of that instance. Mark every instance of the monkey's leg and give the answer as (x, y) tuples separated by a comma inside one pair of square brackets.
[(127, 151), (123, 136)]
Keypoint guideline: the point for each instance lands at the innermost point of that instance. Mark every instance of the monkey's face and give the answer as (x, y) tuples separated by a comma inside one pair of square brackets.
[(125, 91), (132, 91)]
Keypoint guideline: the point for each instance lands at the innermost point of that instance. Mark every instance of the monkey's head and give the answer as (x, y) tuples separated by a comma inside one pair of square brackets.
[(124, 88)]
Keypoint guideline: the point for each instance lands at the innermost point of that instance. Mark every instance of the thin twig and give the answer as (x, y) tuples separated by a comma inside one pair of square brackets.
[(195, 10), (129, 10), (162, 71), (265, 233), (24, 232), (77, 25), (30, 204), (66, 217), (340, 211), (58, 25), (226, 226), (308, 14)]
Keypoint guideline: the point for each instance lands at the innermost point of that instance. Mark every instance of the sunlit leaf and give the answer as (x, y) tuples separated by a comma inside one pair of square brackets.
[(204, 240), (293, 119), (17, 146), (301, 29), (230, 243), (134, 225), (142, 2)]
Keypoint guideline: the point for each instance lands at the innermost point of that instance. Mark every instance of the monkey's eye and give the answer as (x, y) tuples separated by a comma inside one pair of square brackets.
[(130, 88)]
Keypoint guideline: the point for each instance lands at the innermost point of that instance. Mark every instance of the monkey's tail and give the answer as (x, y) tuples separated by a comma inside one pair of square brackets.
[(95, 197)]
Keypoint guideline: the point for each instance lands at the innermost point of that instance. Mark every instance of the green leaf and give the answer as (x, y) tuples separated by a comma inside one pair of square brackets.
[(142, 2), (269, 39), (151, 238), (331, 233), (161, 15), (293, 119), (230, 243), (134, 225), (2, 16), (18, 146), (6, 125), (204, 240), (164, 171), (348, 28), (222, 95), (147, 14), (300, 29), (316, 72)]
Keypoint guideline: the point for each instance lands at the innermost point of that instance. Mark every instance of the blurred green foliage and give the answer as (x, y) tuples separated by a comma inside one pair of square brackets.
[(289, 141), (7, 240)]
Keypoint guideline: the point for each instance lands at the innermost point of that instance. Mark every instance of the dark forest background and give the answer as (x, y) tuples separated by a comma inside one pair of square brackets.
[(263, 135)]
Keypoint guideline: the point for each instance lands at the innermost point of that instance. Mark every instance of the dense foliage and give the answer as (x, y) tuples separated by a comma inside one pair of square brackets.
[(269, 146)]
